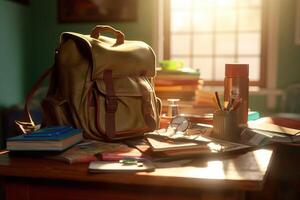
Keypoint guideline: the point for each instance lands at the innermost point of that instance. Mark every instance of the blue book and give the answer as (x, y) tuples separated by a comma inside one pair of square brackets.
[(50, 131), (54, 138)]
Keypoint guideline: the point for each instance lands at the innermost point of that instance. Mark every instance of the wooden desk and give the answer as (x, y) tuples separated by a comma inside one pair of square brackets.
[(227, 178)]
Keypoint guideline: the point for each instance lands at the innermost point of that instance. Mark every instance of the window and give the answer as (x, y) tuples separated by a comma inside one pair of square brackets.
[(206, 34)]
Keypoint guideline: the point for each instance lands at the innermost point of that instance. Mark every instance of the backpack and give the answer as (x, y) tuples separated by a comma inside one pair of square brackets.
[(101, 85)]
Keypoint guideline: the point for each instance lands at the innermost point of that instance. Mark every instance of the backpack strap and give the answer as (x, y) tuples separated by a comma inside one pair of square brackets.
[(111, 104), (29, 125)]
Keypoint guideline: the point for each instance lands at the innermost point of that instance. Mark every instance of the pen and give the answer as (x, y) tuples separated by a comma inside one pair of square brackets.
[(218, 100)]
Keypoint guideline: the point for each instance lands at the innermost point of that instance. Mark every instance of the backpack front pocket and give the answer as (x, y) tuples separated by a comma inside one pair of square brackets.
[(121, 115)]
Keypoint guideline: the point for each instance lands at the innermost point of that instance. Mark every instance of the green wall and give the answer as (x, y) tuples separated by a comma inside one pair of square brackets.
[(13, 48), (289, 53)]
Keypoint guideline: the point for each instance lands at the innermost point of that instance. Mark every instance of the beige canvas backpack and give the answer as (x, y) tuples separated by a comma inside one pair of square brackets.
[(102, 85)]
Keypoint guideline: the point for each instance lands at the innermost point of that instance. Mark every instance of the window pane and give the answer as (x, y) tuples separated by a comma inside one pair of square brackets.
[(250, 3), (180, 44), (226, 19), (226, 3), (180, 21), (181, 5), (249, 20), (203, 20), (249, 44), (254, 66), (203, 4), (220, 66), (186, 60), (205, 67), (225, 44), (203, 44)]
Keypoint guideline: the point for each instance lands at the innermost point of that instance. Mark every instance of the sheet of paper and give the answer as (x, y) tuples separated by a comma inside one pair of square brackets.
[(273, 128)]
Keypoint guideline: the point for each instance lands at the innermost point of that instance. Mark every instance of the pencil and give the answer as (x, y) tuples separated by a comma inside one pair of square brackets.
[(230, 104), (218, 100), (237, 104), (226, 105)]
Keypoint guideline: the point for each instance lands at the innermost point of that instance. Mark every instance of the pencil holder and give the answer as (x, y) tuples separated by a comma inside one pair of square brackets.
[(225, 125)]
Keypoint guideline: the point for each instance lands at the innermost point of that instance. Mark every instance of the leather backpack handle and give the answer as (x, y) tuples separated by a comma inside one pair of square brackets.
[(96, 32)]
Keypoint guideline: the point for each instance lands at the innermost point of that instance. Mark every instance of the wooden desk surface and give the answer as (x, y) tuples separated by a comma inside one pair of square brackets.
[(245, 171)]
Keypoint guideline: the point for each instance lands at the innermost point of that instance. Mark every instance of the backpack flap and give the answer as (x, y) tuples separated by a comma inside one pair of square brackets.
[(129, 59), (131, 115)]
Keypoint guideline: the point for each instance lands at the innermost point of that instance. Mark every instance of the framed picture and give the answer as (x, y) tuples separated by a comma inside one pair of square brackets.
[(97, 10)]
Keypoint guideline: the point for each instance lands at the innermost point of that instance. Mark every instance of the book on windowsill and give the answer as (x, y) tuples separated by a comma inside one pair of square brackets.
[(54, 138)]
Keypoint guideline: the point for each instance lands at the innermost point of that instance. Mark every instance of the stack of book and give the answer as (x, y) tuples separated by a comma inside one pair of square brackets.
[(177, 84), (54, 138)]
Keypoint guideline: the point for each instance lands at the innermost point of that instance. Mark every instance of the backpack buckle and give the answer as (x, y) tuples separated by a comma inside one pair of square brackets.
[(111, 104)]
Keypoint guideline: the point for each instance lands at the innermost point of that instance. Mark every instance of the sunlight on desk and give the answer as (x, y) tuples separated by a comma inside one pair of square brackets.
[(248, 166), (262, 157), (214, 170)]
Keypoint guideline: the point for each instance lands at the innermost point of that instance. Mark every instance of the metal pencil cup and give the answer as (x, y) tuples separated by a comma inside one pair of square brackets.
[(225, 125)]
